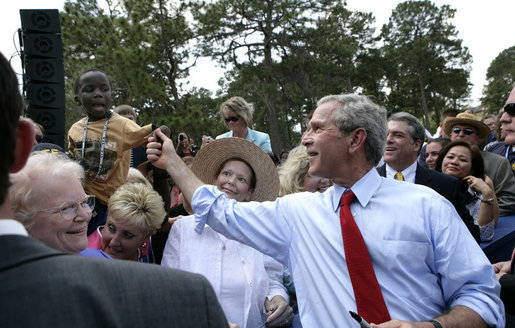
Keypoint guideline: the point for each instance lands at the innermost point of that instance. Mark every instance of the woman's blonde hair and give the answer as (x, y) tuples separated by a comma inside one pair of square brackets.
[(137, 205), (293, 171), (237, 106), (57, 167)]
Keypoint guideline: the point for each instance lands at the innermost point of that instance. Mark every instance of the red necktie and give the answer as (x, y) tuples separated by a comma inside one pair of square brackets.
[(369, 300)]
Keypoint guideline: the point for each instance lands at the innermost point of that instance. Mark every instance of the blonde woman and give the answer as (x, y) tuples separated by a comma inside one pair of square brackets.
[(236, 114), (135, 212), (294, 177)]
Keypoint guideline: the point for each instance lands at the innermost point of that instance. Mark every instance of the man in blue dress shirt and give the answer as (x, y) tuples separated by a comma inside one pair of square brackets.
[(426, 262)]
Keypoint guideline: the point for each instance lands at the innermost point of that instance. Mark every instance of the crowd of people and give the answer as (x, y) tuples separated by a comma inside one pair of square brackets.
[(367, 214)]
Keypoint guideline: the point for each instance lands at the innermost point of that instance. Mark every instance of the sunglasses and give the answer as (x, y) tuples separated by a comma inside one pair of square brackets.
[(232, 118), (467, 131), (510, 109)]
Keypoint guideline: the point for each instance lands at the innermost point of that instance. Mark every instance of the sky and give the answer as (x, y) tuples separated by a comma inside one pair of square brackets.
[(486, 28)]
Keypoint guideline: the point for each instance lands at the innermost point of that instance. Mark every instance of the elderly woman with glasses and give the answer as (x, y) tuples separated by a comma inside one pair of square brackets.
[(236, 113), (48, 199)]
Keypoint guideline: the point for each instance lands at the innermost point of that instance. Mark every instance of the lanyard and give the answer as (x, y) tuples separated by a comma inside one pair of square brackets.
[(102, 147)]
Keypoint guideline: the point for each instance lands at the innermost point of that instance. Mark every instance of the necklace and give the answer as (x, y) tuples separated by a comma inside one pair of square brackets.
[(102, 147)]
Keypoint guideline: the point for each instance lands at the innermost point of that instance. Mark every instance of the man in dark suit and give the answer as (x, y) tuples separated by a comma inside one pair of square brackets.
[(403, 143), (41, 287)]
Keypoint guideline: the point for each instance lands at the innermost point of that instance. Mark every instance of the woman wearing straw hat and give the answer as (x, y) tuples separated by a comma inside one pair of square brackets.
[(248, 284)]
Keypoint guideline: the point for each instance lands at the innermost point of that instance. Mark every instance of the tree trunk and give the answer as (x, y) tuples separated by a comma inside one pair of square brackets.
[(275, 134), (423, 100)]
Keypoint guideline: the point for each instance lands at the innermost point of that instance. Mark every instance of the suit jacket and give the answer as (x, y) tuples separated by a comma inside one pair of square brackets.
[(498, 168), (447, 186), (41, 287), (259, 138)]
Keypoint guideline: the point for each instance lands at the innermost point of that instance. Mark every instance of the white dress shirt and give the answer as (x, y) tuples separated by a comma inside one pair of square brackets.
[(425, 259), (12, 227), (241, 276)]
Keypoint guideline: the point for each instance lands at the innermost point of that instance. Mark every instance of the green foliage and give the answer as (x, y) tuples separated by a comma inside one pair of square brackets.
[(427, 68), (280, 55), (141, 45), (500, 80)]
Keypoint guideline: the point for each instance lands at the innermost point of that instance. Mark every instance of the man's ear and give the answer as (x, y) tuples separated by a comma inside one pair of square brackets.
[(77, 101), (418, 144), (24, 140), (357, 139)]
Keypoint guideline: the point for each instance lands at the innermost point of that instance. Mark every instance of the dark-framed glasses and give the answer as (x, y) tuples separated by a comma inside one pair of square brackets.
[(510, 109), (467, 131), (69, 209), (232, 118)]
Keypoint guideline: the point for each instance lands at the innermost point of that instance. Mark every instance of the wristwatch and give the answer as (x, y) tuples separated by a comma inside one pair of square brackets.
[(436, 323)]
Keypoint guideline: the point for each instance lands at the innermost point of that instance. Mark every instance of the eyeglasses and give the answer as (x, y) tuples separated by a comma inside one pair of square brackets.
[(69, 209), (467, 131), (510, 109), (232, 118)]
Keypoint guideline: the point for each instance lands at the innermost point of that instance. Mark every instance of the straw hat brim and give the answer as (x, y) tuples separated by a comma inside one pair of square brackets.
[(212, 156), (482, 128)]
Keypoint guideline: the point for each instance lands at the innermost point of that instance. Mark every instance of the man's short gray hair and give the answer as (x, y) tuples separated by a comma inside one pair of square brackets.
[(354, 111), (415, 127)]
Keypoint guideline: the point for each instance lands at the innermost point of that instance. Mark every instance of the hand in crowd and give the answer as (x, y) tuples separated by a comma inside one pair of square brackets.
[(501, 268), (233, 325), (279, 313), (171, 221), (158, 153), (479, 185), (205, 140)]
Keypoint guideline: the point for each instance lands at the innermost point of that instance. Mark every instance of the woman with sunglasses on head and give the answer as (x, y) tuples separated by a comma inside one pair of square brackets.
[(47, 197), (463, 161), (236, 114)]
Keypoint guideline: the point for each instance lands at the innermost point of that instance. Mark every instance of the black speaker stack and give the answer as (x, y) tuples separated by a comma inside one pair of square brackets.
[(43, 71)]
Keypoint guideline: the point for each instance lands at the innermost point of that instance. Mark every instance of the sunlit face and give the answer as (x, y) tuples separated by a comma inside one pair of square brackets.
[(314, 184), (472, 139), (235, 180), (457, 162), (432, 151), (49, 226), (401, 151), (326, 147), (94, 94), (121, 241)]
